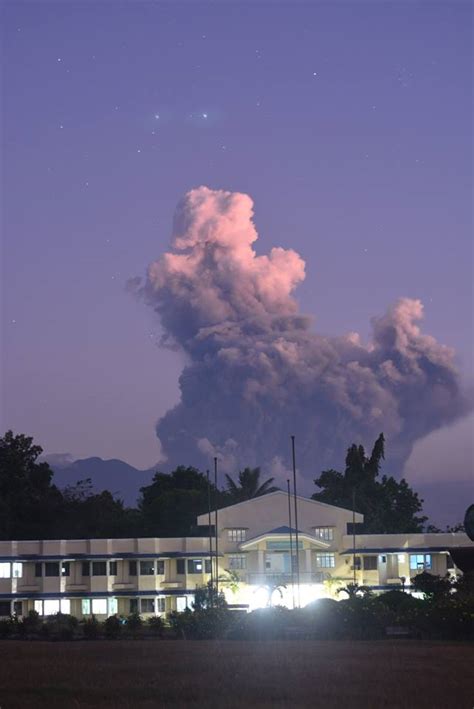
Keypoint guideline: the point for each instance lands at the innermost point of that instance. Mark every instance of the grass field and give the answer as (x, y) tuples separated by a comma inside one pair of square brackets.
[(230, 674)]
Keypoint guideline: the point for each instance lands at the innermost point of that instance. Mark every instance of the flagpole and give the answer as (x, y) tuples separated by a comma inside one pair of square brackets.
[(297, 559)]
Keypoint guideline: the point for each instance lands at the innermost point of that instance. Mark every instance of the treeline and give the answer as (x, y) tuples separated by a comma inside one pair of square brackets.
[(33, 507)]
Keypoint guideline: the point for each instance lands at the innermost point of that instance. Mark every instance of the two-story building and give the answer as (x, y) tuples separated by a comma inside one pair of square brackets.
[(255, 563)]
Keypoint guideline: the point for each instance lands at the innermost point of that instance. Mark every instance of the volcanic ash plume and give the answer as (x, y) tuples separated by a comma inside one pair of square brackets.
[(257, 372)]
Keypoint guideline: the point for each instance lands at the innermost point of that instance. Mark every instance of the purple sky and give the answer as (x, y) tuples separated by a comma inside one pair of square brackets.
[(349, 124)]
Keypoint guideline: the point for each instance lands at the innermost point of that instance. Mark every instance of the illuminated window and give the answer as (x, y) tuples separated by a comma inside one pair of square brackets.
[(237, 562), (181, 603), (112, 568), (5, 570), (370, 563), (113, 606), (39, 607), (401, 558), (99, 606), (147, 605), (51, 606), (195, 566), (86, 606), (147, 568), (326, 534), (17, 570), (51, 568), (65, 568), (65, 606), (325, 561), (99, 568), (420, 561), (236, 535)]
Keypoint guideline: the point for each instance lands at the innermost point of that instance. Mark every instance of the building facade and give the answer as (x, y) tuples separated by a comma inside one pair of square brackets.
[(152, 576)]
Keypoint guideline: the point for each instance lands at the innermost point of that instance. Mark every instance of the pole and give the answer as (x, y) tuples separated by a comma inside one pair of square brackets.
[(297, 554), (216, 531), (354, 536), (291, 544), (210, 527)]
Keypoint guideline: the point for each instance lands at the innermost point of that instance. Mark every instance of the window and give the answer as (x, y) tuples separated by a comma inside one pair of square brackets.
[(99, 606), (65, 606), (5, 570), (324, 533), (113, 606), (51, 568), (18, 608), (39, 607), (132, 569), (17, 570), (180, 569), (99, 568), (370, 563), (195, 566), (65, 568), (161, 604), (283, 545), (237, 562), (134, 605), (86, 606), (51, 607), (160, 567), (86, 570), (420, 561), (181, 603), (236, 535), (38, 569), (325, 561), (147, 605), (401, 558), (147, 568), (112, 568), (5, 608), (207, 566)]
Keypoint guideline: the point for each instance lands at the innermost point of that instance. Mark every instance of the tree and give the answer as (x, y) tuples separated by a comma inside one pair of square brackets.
[(388, 506), (170, 504), (248, 485), (29, 502)]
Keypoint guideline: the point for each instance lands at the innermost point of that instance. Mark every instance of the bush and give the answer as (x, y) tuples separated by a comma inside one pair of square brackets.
[(62, 626), (6, 628), (91, 628), (156, 626), (134, 624), (113, 627), (32, 623)]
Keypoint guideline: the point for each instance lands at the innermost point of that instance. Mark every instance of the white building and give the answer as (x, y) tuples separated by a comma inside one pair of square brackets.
[(154, 576)]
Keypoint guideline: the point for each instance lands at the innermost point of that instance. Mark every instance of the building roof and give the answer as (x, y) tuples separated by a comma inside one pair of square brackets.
[(393, 550)]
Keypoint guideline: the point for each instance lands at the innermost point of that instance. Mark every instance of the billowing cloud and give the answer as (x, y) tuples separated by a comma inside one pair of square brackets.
[(256, 371)]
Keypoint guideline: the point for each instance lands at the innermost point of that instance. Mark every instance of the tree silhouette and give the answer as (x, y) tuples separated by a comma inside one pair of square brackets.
[(248, 485)]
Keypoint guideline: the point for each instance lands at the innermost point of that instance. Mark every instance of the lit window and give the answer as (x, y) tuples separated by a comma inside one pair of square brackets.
[(99, 568), (237, 562), (17, 570), (99, 606), (147, 568), (420, 562), (112, 568), (325, 561), (401, 558), (113, 606), (161, 604), (370, 563), (51, 568), (39, 607), (236, 535), (147, 605), (5, 570), (86, 606), (195, 566), (65, 568), (181, 603), (51, 607), (326, 534), (65, 606)]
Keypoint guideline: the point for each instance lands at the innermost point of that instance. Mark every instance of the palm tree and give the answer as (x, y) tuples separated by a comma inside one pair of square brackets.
[(248, 485)]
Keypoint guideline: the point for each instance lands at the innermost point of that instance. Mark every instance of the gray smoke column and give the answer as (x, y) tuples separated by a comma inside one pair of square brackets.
[(257, 372)]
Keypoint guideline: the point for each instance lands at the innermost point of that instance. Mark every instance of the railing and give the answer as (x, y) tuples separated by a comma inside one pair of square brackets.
[(284, 579)]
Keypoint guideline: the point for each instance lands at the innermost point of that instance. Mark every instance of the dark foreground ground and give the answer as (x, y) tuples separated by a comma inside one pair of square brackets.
[(325, 674)]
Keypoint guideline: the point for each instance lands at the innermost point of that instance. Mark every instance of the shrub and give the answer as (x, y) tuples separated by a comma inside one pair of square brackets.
[(134, 624), (91, 628), (32, 623), (113, 627), (6, 627), (156, 626), (62, 626)]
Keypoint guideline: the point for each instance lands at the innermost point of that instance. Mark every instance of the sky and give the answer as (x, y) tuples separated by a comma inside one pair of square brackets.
[(348, 124)]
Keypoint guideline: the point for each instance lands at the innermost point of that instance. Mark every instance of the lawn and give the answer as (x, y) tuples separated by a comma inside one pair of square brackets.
[(347, 675)]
